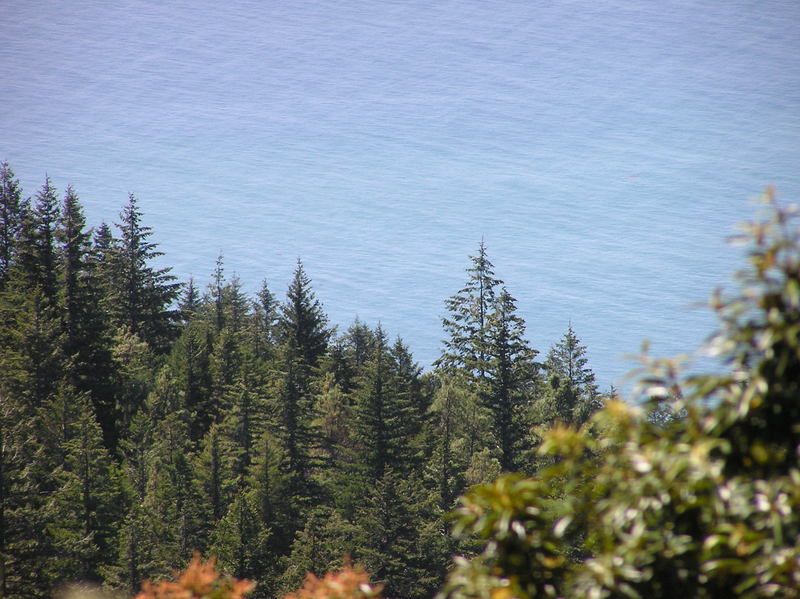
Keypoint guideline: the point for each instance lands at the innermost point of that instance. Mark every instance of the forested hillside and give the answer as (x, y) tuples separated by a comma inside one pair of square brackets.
[(143, 418)]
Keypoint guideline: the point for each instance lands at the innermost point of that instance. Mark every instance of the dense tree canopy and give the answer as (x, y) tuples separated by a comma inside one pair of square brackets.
[(142, 420)]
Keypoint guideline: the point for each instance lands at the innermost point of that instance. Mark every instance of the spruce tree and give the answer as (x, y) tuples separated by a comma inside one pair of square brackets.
[(190, 302), (86, 338), (270, 486), (571, 395), (37, 253), (467, 322), (85, 503), (303, 324), (262, 330), (25, 481), (12, 212), (214, 475), (511, 374), (238, 539), (142, 295), (384, 416), (304, 339), (29, 305)]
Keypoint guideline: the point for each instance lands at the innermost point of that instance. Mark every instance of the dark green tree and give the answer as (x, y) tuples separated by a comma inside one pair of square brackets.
[(86, 337), (511, 377), (85, 503), (575, 393), (142, 296), (12, 213), (303, 324), (466, 325), (29, 305), (25, 481), (214, 472), (384, 415)]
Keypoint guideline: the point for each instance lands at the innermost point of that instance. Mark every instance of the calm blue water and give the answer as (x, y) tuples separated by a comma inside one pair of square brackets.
[(603, 150)]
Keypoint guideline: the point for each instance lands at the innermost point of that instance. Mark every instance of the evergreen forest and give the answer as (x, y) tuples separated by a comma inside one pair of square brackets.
[(144, 420)]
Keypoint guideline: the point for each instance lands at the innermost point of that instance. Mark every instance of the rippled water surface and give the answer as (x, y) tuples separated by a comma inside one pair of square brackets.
[(602, 150)]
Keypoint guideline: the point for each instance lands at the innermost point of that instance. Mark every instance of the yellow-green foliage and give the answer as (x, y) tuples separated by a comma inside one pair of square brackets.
[(704, 502)]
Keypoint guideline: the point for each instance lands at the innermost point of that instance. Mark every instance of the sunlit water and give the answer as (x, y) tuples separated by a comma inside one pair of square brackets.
[(602, 150)]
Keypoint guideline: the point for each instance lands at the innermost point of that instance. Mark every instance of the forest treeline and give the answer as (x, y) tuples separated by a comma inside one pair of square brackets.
[(143, 419)]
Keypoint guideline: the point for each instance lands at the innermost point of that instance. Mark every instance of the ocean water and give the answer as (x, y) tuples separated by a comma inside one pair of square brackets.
[(603, 150)]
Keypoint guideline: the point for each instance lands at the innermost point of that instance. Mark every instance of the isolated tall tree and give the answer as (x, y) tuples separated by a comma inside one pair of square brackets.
[(142, 295), (467, 322)]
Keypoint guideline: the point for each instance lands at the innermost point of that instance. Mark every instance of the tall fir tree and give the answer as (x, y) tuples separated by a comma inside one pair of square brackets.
[(86, 336), (304, 337), (384, 415), (303, 324), (12, 213), (25, 482), (85, 503), (467, 322), (29, 305), (142, 295), (511, 374)]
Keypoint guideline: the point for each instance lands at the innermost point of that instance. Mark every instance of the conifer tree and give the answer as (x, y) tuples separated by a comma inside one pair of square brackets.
[(173, 507), (239, 540), (304, 340), (189, 362), (468, 318), (84, 505), (135, 365), (12, 213), (511, 378), (215, 289), (25, 481), (303, 324), (264, 323), (295, 417), (214, 472), (86, 339), (395, 543), (270, 487), (190, 302), (37, 254), (571, 395), (333, 420), (242, 423), (142, 295), (30, 303), (319, 547), (384, 415)]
